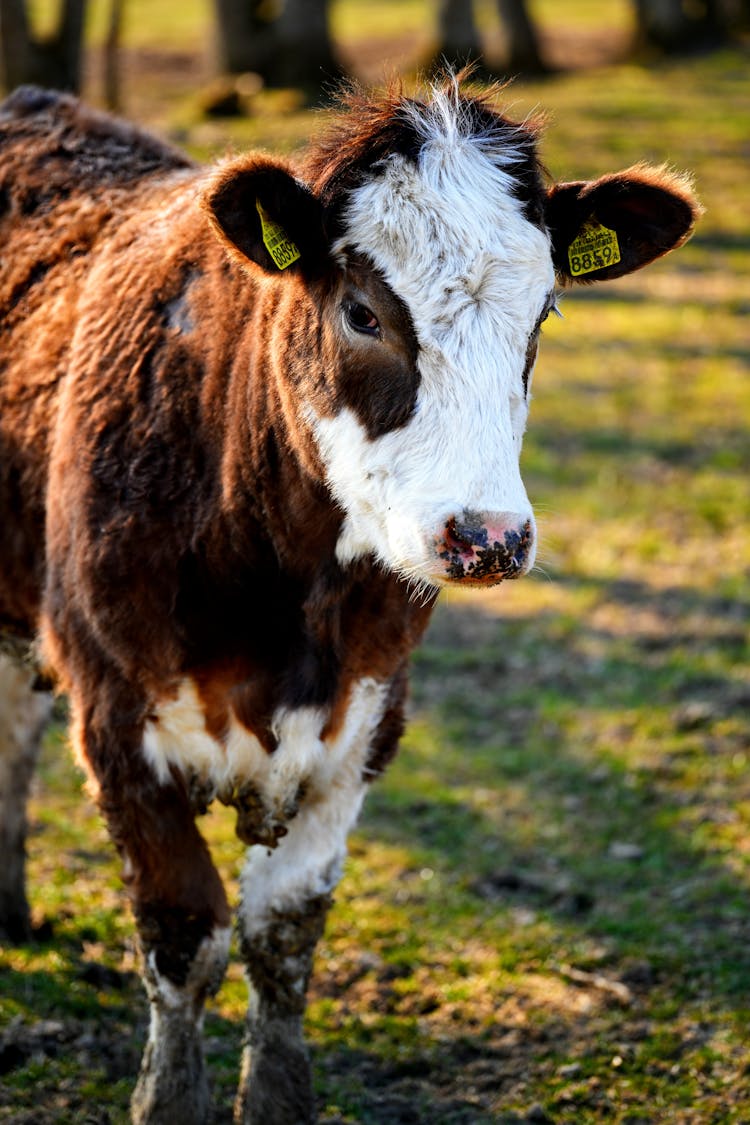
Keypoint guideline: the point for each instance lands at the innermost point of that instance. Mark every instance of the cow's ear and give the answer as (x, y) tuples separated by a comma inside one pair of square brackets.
[(611, 226), (264, 215)]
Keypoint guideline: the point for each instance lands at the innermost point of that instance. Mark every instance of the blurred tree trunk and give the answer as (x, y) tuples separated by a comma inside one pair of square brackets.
[(458, 36), (112, 56), (287, 47), (54, 61), (672, 26), (524, 54), (244, 35), (305, 52)]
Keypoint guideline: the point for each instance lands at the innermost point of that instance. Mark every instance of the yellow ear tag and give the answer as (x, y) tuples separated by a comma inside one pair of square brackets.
[(276, 241), (594, 248)]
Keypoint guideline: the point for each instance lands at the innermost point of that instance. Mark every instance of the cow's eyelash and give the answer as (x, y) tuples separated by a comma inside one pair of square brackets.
[(552, 307)]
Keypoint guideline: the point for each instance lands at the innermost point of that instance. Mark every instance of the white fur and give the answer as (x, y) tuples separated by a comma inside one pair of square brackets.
[(308, 860), (299, 753), (206, 973), (179, 737), (452, 241)]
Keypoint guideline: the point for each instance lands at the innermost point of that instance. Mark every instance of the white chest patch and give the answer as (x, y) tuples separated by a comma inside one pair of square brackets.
[(303, 760)]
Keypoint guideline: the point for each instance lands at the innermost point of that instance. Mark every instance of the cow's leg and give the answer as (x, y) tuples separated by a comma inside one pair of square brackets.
[(183, 926), (181, 914), (23, 715), (184, 946), (286, 894)]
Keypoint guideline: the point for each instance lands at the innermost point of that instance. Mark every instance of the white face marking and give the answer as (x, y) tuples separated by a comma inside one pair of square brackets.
[(452, 242)]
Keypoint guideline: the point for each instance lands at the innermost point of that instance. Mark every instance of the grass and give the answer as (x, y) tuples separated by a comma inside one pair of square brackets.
[(545, 910)]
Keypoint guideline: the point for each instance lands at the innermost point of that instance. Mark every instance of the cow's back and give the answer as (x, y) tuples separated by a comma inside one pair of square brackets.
[(53, 146), (67, 175)]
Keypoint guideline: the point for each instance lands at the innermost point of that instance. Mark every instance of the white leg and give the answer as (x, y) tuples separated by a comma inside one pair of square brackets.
[(286, 894)]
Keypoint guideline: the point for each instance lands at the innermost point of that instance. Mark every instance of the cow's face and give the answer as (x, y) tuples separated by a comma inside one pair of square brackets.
[(445, 286), (437, 280)]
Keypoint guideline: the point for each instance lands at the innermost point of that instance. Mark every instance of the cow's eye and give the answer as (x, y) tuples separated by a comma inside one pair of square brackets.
[(361, 319)]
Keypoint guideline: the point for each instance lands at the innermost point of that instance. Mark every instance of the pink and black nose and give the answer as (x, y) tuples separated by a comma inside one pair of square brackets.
[(482, 548)]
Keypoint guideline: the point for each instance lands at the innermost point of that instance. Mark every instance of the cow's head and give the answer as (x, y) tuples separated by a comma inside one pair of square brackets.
[(433, 249)]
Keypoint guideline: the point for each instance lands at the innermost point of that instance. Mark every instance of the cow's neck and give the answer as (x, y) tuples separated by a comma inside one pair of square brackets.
[(265, 588), (272, 486)]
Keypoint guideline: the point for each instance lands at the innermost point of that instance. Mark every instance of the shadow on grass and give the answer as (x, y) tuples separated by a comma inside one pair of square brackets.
[(421, 1087), (626, 757), (630, 755)]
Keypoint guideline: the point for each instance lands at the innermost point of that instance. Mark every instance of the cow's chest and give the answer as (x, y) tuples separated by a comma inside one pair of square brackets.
[(312, 757)]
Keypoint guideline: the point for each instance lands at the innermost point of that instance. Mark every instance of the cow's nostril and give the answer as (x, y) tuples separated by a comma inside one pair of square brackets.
[(467, 535), (458, 537)]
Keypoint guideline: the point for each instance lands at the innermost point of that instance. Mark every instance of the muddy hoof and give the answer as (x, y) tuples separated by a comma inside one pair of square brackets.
[(276, 1085), (172, 1090)]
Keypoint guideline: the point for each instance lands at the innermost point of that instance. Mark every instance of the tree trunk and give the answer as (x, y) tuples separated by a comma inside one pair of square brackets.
[(245, 35), (524, 54), (112, 56), (672, 26), (304, 52), (67, 44), (15, 43), (54, 61), (458, 36), (292, 49)]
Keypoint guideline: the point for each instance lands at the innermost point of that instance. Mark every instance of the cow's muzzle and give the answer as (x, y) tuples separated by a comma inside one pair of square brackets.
[(482, 548)]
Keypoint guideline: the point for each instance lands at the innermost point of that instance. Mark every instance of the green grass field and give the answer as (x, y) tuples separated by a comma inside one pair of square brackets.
[(545, 916)]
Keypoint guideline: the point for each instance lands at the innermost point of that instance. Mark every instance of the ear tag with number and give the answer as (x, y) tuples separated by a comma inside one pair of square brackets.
[(276, 240), (594, 248)]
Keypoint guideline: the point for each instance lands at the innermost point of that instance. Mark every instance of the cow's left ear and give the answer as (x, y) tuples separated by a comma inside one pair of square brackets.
[(265, 215), (611, 226)]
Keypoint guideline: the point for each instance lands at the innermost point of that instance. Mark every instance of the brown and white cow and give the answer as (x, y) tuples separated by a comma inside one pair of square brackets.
[(252, 419)]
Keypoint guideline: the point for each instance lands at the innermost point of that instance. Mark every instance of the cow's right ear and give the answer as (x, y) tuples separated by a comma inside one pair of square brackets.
[(266, 216), (611, 226)]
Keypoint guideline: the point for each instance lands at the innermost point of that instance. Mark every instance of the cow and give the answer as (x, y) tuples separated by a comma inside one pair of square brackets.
[(253, 418)]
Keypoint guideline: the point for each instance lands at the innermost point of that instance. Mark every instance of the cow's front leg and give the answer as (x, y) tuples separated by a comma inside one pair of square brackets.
[(23, 715), (286, 894), (183, 926), (184, 952), (276, 1082), (181, 914)]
